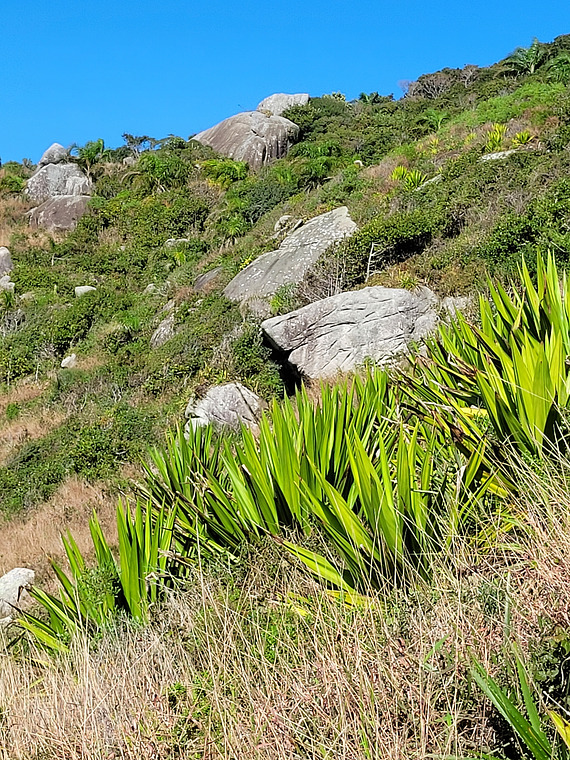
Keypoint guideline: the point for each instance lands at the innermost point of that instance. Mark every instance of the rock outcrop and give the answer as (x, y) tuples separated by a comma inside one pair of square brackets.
[(228, 406), (55, 154), (298, 252), (281, 101), (13, 587), (339, 333), (164, 332), (6, 264), (59, 213), (57, 179), (252, 136), (60, 188)]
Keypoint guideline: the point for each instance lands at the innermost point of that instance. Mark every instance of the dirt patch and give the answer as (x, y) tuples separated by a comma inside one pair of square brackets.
[(26, 390), (23, 429), (32, 542)]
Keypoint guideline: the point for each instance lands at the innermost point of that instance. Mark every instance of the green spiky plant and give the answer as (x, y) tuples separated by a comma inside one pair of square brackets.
[(91, 597), (513, 367), (495, 138), (376, 482), (527, 725)]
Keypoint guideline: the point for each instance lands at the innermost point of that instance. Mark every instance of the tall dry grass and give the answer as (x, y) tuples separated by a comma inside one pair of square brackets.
[(255, 661)]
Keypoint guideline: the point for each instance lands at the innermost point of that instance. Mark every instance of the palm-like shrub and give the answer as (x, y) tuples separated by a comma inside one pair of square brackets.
[(559, 69), (527, 60), (386, 490), (514, 366), (92, 597), (223, 172)]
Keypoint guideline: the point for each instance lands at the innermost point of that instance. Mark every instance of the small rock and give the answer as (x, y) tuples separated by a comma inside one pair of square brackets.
[(6, 283), (6, 265), (202, 282), (55, 154), (497, 156), (70, 362), (283, 222), (13, 587), (173, 243), (433, 181), (227, 405), (281, 101), (164, 332), (453, 304), (129, 161), (150, 289), (81, 290)]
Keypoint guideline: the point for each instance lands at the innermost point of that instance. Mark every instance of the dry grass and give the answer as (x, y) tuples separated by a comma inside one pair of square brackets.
[(257, 663), (24, 429), (22, 392), (31, 542)]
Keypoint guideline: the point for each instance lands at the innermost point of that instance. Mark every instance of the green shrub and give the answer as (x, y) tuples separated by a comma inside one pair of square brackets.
[(395, 237)]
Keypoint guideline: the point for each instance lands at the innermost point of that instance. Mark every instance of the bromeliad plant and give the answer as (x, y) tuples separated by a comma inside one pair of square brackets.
[(91, 597), (387, 490), (527, 725), (514, 367)]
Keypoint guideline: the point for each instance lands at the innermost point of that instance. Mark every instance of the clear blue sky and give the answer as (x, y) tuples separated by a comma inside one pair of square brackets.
[(77, 70)]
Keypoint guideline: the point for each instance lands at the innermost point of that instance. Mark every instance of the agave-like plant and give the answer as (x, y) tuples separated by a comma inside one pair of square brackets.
[(527, 725), (495, 138), (400, 173), (514, 366), (522, 138), (414, 179), (92, 597)]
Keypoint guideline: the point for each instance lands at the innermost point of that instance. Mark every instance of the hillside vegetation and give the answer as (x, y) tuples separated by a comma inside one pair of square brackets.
[(380, 569)]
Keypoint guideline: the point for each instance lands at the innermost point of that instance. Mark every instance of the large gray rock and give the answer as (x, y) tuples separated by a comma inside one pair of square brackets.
[(13, 587), (57, 179), (252, 136), (55, 154), (339, 333), (6, 265), (227, 405), (298, 252), (59, 213), (276, 104)]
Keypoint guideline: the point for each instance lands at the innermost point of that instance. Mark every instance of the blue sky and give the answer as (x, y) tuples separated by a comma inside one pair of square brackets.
[(77, 70)]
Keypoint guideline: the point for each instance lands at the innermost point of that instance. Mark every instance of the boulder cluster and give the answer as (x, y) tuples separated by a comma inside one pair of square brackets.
[(259, 136), (60, 189)]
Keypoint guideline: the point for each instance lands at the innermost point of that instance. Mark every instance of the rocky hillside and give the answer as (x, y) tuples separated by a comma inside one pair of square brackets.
[(177, 280)]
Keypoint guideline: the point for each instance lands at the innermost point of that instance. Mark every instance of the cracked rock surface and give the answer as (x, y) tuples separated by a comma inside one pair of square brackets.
[(252, 136), (227, 405), (298, 252), (339, 333)]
